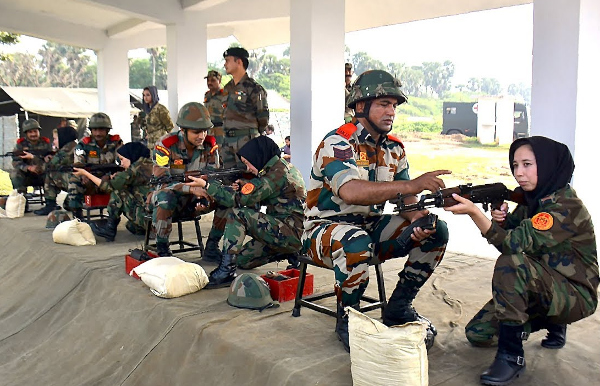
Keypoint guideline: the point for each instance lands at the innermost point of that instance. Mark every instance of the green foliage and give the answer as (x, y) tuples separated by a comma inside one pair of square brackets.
[(278, 82), (421, 107), (7, 38), (403, 125)]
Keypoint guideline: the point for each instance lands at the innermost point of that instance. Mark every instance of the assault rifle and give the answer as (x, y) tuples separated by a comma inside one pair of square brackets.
[(37, 153), (488, 194), (225, 176), (96, 169)]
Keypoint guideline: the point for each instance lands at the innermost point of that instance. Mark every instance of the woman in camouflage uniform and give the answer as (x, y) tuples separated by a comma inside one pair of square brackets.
[(158, 120), (547, 274), (128, 190)]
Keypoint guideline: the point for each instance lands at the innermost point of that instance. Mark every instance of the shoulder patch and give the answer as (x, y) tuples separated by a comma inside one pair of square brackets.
[(170, 140), (46, 139), (115, 138), (20, 140), (248, 188), (86, 140), (542, 221), (347, 130), (395, 139)]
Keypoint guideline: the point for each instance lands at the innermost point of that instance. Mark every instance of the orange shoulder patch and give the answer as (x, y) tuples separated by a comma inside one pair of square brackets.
[(20, 140), (46, 139), (395, 139), (170, 140), (248, 188), (115, 138), (347, 130), (86, 140), (542, 221)]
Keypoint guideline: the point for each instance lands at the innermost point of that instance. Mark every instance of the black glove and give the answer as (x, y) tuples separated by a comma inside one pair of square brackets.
[(406, 243)]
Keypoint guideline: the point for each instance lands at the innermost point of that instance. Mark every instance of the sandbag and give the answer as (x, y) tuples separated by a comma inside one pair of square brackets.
[(170, 277), (73, 232), (382, 355), (15, 205)]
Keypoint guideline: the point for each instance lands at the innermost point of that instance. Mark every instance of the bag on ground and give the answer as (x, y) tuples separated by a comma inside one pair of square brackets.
[(15, 205), (73, 232), (170, 277)]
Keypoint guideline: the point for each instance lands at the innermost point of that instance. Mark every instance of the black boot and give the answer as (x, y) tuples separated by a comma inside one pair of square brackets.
[(341, 325), (399, 310), (293, 262), (106, 229), (510, 361), (78, 214), (556, 337), (162, 249), (46, 210), (224, 274), (212, 254)]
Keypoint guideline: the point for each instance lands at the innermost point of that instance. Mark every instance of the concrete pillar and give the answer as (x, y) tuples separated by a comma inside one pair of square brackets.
[(113, 87), (566, 80), (317, 31), (186, 61)]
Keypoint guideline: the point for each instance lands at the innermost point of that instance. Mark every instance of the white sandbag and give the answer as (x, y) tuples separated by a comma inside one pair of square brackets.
[(385, 356), (170, 277), (15, 205), (73, 232)]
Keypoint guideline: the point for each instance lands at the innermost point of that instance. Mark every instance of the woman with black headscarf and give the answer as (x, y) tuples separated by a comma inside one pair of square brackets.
[(547, 274), (158, 119), (128, 190), (275, 234)]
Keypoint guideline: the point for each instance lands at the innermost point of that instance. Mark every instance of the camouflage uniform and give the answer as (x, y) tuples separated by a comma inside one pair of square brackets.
[(280, 187), (346, 237), (128, 192), (170, 157), (88, 151), (158, 123), (542, 275), (57, 180), (215, 106), (348, 112), (245, 117), (19, 176)]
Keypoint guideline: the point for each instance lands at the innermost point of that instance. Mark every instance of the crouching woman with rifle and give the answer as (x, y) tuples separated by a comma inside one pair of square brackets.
[(547, 274)]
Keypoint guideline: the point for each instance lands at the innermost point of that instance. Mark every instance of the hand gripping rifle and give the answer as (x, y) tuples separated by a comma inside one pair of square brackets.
[(37, 153), (96, 169), (225, 176), (488, 194)]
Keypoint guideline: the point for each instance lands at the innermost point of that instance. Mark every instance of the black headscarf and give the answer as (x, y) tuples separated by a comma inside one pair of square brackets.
[(154, 92), (65, 135), (133, 151), (555, 167), (259, 151)]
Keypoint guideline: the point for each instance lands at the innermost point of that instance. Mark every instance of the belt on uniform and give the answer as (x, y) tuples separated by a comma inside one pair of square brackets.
[(240, 132)]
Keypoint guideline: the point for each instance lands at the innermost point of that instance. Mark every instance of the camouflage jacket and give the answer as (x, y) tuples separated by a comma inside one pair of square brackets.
[(135, 179), (279, 186), (560, 234), (63, 157), (23, 144), (158, 123), (246, 106), (348, 112), (87, 151), (350, 153), (214, 105)]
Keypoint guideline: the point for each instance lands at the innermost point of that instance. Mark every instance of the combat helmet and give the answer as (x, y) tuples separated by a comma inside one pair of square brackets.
[(100, 121), (249, 290), (195, 116), (375, 84), (56, 217), (31, 124)]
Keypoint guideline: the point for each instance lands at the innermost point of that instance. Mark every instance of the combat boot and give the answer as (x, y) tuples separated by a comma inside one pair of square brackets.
[(162, 249), (510, 361), (106, 229), (212, 254), (341, 325), (46, 210), (224, 274), (556, 337)]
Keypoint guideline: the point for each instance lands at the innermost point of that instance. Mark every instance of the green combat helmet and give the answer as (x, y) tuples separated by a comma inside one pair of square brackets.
[(250, 291), (100, 121), (56, 217), (31, 124), (195, 116), (375, 84)]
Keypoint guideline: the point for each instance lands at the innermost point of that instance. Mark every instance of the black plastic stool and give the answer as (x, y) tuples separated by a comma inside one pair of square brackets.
[(37, 196), (184, 246)]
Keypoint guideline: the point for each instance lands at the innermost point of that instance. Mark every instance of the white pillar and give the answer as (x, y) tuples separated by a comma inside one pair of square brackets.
[(566, 80), (317, 32), (113, 87), (186, 62)]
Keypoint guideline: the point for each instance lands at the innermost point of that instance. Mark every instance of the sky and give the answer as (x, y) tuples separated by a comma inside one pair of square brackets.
[(493, 44)]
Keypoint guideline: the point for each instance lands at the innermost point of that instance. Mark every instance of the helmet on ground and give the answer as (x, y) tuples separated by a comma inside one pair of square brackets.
[(56, 217), (195, 116), (249, 290), (31, 124), (375, 84), (100, 121)]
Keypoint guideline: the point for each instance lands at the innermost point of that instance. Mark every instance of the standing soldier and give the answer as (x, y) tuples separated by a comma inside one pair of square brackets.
[(28, 169), (158, 120), (348, 112), (97, 149), (246, 113), (214, 101)]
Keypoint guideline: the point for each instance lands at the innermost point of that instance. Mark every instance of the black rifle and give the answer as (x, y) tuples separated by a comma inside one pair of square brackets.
[(225, 176), (488, 194), (37, 153), (96, 169)]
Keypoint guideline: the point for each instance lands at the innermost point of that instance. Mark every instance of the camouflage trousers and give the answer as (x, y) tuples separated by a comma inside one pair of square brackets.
[(348, 249), (526, 291), (21, 180), (231, 145), (77, 189), (219, 135), (123, 202), (269, 236), (55, 183)]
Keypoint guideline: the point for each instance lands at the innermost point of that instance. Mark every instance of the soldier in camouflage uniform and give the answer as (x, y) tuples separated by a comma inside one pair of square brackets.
[(278, 186), (128, 190), (547, 274), (65, 140), (98, 149), (158, 119), (348, 112), (246, 113), (28, 170), (214, 101), (174, 154), (356, 169)]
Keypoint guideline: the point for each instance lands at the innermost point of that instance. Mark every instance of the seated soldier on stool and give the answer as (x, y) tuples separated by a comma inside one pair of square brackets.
[(174, 154)]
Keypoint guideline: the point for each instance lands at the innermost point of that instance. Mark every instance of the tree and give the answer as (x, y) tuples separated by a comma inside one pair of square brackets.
[(7, 38), (413, 81), (22, 70), (521, 91), (362, 62), (490, 86)]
